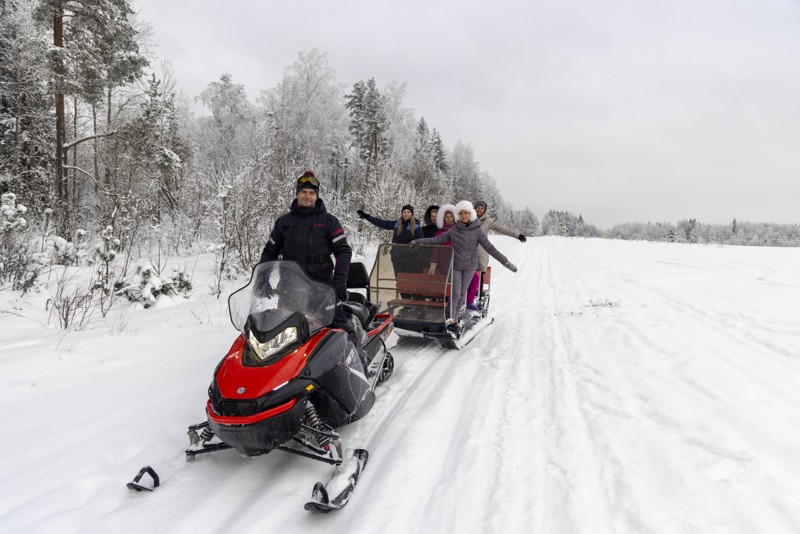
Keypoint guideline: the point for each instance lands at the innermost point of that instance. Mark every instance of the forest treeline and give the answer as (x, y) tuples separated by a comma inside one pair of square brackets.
[(92, 130)]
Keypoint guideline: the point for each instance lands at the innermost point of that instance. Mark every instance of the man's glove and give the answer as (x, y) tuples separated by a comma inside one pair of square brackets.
[(510, 266), (341, 293), (361, 214), (522, 238)]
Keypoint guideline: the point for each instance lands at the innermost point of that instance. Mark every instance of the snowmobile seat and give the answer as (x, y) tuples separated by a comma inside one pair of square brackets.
[(356, 297), (365, 313)]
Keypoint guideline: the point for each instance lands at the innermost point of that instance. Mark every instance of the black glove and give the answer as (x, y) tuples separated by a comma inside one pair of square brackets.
[(522, 238), (361, 214), (341, 294)]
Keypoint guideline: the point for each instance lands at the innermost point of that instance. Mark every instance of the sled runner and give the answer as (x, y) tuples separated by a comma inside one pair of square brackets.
[(415, 291), (290, 381)]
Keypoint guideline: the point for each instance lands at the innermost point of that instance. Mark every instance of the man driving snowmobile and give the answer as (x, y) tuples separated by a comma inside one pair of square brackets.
[(308, 235)]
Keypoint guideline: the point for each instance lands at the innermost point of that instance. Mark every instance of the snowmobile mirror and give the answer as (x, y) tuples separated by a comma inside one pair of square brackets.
[(138, 487)]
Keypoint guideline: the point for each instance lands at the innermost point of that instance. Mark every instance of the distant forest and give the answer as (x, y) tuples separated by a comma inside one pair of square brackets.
[(564, 223)]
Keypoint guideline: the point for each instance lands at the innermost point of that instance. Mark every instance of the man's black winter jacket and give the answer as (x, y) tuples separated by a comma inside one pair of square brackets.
[(309, 236)]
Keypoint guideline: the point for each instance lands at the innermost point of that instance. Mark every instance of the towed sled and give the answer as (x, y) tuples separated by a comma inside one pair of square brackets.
[(413, 286), (290, 381)]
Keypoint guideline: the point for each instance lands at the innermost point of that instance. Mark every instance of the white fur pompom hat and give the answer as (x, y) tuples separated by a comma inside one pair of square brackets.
[(466, 205), (440, 214)]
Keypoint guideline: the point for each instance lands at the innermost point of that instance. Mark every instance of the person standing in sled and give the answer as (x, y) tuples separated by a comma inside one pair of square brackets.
[(309, 235), (465, 237), (404, 230), (487, 223), (430, 228)]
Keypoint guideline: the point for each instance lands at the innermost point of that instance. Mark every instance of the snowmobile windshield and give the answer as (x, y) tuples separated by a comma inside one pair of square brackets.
[(282, 285)]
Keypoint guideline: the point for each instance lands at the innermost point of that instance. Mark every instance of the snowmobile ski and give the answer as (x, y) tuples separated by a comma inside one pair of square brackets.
[(139, 487), (341, 486), (471, 328)]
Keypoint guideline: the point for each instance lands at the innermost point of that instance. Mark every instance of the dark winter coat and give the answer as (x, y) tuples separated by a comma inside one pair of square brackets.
[(309, 236), (487, 223), (465, 240), (430, 228), (404, 237)]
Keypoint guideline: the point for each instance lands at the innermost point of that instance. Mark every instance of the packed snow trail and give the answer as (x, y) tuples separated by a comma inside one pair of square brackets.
[(624, 387)]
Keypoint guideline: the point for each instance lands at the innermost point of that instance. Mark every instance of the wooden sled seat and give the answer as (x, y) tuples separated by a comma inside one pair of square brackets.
[(421, 289)]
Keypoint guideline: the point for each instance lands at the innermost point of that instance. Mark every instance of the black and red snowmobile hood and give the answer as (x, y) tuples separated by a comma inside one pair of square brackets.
[(238, 381)]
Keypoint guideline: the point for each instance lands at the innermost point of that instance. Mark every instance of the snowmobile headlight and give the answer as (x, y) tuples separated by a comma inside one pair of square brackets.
[(275, 344)]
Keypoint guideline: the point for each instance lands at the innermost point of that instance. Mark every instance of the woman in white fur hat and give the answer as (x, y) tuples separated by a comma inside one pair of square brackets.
[(465, 237)]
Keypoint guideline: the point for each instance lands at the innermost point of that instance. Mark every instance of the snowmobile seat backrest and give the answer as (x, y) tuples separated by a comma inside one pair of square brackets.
[(357, 297), (357, 276)]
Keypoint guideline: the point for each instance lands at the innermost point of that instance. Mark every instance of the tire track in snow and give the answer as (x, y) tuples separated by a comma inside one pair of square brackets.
[(584, 471)]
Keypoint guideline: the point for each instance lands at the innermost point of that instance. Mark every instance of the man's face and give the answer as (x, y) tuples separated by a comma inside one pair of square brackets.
[(480, 210), (433, 214), (306, 198)]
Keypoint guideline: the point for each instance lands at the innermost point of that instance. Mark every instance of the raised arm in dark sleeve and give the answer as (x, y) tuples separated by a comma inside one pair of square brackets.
[(381, 223), (343, 254)]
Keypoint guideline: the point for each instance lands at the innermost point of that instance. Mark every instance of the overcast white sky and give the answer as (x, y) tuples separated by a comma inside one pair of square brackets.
[(621, 110)]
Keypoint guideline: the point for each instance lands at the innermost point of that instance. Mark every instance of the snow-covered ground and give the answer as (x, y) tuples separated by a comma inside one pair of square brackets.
[(624, 387)]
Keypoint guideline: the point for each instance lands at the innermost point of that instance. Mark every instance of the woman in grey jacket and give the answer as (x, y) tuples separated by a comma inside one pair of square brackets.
[(465, 237)]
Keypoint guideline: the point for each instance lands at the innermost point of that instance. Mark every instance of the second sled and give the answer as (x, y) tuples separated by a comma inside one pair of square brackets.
[(413, 286)]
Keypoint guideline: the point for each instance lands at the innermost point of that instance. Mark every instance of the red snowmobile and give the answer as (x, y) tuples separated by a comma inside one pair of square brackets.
[(290, 380)]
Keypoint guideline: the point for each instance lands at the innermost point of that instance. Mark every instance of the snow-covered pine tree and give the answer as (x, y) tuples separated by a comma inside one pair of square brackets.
[(366, 108), (26, 112), (464, 171), (424, 173), (308, 120), (94, 46)]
